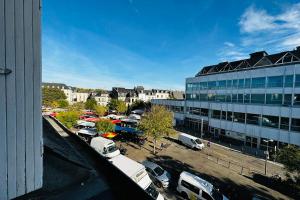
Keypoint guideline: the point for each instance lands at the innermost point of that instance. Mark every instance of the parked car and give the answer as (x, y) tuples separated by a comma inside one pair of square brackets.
[(194, 187), (136, 171), (105, 147), (190, 141), (87, 134), (83, 124), (158, 175)]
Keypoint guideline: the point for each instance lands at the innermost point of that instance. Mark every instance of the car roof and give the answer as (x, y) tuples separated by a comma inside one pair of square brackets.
[(197, 181), (150, 164), (189, 136), (102, 139), (127, 165)]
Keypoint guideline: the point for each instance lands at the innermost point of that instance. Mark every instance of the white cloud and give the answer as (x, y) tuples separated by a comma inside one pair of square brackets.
[(229, 44), (256, 20), (263, 30)]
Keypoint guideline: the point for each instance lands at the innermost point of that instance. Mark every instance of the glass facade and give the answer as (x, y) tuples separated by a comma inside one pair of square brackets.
[(296, 99), (275, 81), (257, 98), (288, 82), (284, 123), (258, 82), (255, 82), (274, 99), (295, 125)]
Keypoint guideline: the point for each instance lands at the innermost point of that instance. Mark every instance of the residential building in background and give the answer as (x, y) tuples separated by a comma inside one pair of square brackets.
[(252, 102), (75, 95), (102, 98)]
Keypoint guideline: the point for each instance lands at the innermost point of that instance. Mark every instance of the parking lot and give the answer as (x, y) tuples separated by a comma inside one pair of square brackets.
[(229, 170)]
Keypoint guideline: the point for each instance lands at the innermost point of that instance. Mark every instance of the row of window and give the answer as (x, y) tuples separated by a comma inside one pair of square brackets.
[(249, 118), (273, 98), (178, 109), (258, 82)]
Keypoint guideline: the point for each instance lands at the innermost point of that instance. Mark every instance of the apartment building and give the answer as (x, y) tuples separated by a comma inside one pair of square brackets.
[(254, 102)]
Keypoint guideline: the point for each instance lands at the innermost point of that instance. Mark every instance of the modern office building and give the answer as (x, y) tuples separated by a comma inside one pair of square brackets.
[(253, 102)]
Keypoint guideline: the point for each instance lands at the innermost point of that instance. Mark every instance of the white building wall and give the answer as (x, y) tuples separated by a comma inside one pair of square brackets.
[(21, 165)]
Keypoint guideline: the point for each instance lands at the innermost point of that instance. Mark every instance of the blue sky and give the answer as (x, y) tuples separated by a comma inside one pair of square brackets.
[(157, 43)]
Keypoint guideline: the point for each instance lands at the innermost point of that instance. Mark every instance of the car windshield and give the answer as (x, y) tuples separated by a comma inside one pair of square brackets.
[(159, 171), (198, 141), (152, 191), (112, 148), (216, 194)]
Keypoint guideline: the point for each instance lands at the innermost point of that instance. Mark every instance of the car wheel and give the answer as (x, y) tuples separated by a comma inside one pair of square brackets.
[(184, 195)]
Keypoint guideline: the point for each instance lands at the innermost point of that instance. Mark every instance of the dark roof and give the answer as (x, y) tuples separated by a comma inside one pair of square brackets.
[(257, 59)]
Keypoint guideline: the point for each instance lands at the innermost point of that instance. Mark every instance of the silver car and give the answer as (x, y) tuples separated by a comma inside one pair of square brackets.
[(158, 175)]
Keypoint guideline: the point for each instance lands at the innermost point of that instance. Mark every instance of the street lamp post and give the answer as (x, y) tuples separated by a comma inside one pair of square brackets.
[(267, 154), (201, 128)]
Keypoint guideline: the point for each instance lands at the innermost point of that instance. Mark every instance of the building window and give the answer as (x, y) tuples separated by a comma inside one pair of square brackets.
[(258, 98), (220, 98), (275, 81), (212, 85), (229, 84), (247, 83), (223, 115), (234, 98), (235, 83), (270, 121), (211, 97), (288, 81), (229, 116), (239, 117), (284, 123), (287, 100), (241, 83), (240, 98), (203, 85), (246, 98), (295, 125), (228, 98), (216, 114), (253, 119), (296, 99), (274, 98), (258, 82), (222, 84), (204, 112), (194, 111), (297, 80), (203, 97)]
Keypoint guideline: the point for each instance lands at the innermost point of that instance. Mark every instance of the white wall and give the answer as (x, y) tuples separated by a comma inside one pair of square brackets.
[(21, 166)]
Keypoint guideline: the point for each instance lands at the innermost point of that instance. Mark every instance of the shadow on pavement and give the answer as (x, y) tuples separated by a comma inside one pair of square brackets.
[(229, 188)]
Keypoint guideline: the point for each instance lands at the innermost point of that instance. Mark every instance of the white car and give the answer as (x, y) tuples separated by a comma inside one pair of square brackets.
[(137, 172), (194, 187), (190, 141)]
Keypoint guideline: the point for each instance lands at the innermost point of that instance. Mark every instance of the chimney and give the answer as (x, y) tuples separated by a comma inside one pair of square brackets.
[(258, 55)]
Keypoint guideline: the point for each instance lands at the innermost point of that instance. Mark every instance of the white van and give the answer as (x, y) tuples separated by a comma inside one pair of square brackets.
[(137, 173), (194, 187), (105, 147), (190, 141)]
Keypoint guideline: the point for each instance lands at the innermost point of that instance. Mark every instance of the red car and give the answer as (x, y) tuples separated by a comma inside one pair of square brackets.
[(92, 119)]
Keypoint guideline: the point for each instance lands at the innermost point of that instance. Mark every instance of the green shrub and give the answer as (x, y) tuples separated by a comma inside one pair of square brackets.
[(69, 118)]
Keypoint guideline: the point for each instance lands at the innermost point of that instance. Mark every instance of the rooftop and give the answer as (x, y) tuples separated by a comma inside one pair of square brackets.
[(256, 60)]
